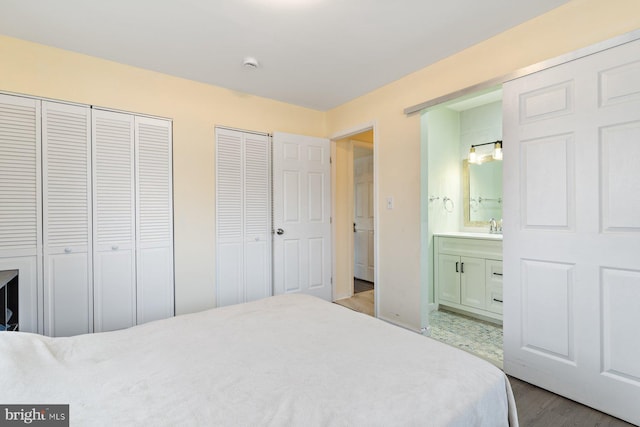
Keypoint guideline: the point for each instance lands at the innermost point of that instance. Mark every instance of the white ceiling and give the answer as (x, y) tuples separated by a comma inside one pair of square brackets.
[(314, 53)]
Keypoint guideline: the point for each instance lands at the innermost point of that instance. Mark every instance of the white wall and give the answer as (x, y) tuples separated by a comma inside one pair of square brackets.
[(441, 143)]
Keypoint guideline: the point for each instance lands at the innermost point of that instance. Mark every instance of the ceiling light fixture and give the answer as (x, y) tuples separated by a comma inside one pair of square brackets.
[(250, 63)]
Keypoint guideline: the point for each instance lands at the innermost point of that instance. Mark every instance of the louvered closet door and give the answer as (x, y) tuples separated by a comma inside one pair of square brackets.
[(257, 221), (154, 219), (114, 221), (229, 228), (66, 183), (243, 211), (20, 200)]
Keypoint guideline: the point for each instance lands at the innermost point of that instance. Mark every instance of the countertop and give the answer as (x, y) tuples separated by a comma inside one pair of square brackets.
[(470, 235)]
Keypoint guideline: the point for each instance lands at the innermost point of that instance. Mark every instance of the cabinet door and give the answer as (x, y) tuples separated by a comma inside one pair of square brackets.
[(494, 286), (449, 278), (66, 189), (154, 220), (114, 221), (472, 286)]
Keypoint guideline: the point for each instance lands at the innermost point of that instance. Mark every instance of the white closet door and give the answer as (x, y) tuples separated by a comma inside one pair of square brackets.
[(229, 224), (257, 217), (243, 217), (21, 209), (66, 183), (114, 221), (154, 223)]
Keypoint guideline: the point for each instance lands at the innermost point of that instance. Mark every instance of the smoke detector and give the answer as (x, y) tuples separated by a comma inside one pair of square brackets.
[(250, 63)]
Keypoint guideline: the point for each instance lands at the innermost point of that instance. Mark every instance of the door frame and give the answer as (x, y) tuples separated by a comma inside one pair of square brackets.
[(344, 134)]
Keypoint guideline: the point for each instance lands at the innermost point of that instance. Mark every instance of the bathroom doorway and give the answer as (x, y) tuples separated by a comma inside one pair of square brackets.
[(461, 184)]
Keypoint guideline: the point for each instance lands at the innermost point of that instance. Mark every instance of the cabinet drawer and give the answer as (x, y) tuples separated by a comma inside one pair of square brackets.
[(494, 286), (478, 248)]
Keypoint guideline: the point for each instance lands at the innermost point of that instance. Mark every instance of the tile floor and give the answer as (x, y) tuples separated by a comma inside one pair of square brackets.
[(484, 339)]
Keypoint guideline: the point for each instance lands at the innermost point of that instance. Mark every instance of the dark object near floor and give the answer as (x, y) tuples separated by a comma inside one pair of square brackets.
[(361, 285)]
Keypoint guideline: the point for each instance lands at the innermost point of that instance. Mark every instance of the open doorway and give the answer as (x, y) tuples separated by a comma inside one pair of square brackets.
[(354, 221), (462, 204)]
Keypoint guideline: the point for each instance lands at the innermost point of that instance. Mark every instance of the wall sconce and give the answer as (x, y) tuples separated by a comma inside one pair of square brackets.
[(497, 152)]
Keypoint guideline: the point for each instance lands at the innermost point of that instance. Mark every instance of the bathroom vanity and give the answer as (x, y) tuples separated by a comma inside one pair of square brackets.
[(468, 273)]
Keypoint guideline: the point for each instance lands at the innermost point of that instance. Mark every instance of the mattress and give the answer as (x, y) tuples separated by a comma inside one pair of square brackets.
[(291, 360)]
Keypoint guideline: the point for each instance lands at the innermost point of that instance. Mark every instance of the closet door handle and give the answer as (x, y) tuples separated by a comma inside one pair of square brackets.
[(457, 267), (497, 300), (279, 231), (462, 267)]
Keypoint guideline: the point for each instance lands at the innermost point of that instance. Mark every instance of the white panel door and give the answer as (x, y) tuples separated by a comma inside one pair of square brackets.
[(363, 218), (21, 207), (572, 230), (301, 203), (114, 221), (243, 217), (66, 184), (154, 219)]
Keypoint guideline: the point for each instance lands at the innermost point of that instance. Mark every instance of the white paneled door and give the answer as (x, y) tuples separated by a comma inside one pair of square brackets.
[(302, 227), (572, 230), (363, 218)]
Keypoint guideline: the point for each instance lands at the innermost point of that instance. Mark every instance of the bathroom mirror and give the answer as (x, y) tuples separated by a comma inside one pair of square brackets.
[(482, 192)]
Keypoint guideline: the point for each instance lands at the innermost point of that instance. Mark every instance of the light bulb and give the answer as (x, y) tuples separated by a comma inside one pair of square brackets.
[(497, 151), (472, 155)]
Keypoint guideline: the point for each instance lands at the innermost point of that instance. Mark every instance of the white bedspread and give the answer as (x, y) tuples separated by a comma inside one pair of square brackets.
[(291, 360)]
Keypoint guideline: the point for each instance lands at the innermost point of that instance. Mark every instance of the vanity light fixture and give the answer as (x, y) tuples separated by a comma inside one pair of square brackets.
[(497, 152)]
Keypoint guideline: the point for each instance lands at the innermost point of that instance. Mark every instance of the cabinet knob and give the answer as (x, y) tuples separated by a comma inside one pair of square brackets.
[(67, 250), (115, 247)]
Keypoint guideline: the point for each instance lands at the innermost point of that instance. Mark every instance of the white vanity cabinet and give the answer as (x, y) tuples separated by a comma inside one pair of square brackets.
[(468, 273)]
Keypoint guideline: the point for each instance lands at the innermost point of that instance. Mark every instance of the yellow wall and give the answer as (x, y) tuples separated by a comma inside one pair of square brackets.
[(28, 68), (577, 24)]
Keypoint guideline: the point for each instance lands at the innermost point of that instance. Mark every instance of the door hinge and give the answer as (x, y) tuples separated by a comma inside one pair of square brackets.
[(331, 280), (330, 220), (330, 160)]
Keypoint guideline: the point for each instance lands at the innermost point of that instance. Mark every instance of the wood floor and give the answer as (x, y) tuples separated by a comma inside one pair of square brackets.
[(540, 408), (536, 407)]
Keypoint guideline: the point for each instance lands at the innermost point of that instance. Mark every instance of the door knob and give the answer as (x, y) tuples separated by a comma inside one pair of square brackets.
[(279, 231)]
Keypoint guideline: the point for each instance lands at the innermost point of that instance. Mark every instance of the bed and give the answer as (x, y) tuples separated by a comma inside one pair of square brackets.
[(291, 360)]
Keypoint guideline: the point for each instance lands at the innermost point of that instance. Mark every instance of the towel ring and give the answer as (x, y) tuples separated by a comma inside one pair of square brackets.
[(448, 204)]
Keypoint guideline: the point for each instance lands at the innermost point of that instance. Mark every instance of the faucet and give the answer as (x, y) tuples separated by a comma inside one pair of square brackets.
[(493, 226)]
